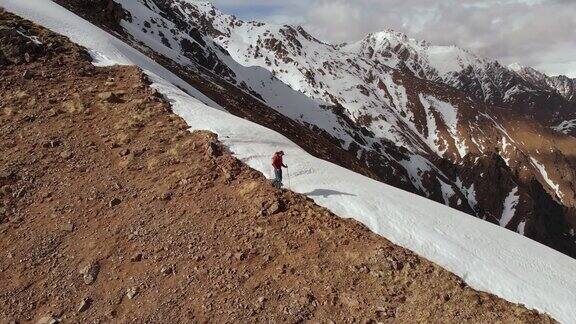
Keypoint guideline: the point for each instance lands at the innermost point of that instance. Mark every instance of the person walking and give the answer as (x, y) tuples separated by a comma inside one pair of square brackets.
[(278, 164)]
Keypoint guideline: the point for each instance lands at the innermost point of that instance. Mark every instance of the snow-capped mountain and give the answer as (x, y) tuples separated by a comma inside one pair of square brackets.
[(522, 89), (561, 84), (564, 85), (418, 116)]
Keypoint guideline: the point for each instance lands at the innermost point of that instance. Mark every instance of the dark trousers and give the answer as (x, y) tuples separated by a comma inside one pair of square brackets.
[(278, 178)]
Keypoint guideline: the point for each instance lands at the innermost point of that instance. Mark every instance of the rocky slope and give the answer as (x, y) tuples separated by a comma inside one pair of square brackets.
[(566, 87), (373, 111), (561, 84), (367, 114), (512, 87), (111, 211)]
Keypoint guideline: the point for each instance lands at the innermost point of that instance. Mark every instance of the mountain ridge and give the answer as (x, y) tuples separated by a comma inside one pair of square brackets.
[(117, 171), (404, 130)]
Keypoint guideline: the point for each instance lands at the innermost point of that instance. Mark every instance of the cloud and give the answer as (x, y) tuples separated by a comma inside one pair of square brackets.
[(537, 33)]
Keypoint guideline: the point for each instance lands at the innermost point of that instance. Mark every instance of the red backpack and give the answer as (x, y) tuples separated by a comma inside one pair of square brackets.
[(277, 161)]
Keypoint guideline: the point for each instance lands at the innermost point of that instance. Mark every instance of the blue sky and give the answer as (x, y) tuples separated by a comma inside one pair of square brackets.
[(538, 33)]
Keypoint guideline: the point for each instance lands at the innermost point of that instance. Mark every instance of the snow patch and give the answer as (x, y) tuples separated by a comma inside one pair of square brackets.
[(449, 116), (542, 169), (566, 126), (469, 193), (447, 192), (34, 39), (416, 166), (521, 227), (510, 204)]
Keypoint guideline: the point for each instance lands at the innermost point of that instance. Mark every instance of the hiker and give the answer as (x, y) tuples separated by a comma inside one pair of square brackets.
[(278, 164)]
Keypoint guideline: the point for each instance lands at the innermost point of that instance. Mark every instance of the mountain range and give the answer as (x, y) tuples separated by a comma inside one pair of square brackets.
[(493, 141)]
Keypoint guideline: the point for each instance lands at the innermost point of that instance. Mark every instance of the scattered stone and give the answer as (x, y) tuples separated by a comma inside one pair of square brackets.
[(167, 271), (5, 175), (29, 118), (124, 152), (68, 227), (90, 272), (84, 304), (16, 219), (114, 202), (66, 155), (213, 149), (27, 74), (273, 209), (48, 320), (139, 151), (52, 143), (136, 257), (55, 143), (240, 256), (396, 265), (156, 93), (166, 195), (132, 292), (109, 97), (19, 193)]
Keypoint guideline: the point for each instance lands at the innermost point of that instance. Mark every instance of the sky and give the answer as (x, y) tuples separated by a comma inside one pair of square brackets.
[(537, 33)]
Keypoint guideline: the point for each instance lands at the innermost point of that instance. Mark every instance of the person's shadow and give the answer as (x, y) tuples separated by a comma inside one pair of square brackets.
[(326, 193)]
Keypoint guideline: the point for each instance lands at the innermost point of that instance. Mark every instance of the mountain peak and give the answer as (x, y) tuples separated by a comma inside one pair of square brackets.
[(390, 36), (201, 7), (516, 67), (387, 33), (201, 4)]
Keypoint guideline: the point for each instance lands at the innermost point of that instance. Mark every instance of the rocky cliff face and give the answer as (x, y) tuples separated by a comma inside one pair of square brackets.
[(437, 121), (105, 13), (563, 85)]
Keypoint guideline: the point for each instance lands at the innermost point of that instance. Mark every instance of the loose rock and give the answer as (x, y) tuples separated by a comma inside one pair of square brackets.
[(114, 202), (84, 304), (90, 272), (124, 152), (48, 320), (109, 97), (136, 257), (132, 292), (27, 74), (66, 155), (68, 227), (166, 195), (167, 271), (273, 209)]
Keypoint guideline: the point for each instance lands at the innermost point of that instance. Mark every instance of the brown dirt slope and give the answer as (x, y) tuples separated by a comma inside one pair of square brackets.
[(111, 211)]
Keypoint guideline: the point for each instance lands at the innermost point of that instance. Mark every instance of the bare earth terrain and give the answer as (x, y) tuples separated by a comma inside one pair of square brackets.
[(111, 211)]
